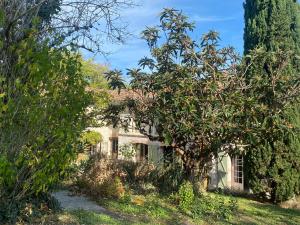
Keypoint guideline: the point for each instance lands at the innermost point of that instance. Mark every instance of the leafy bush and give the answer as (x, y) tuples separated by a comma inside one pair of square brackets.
[(26, 210), (127, 151), (95, 176), (43, 118), (168, 178), (88, 139), (186, 196), (112, 188), (214, 206)]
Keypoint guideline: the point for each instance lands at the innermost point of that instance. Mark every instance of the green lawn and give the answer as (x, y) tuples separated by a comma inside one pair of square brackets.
[(252, 212), (153, 209)]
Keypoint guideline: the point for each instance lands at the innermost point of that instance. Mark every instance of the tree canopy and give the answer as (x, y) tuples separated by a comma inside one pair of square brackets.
[(195, 96)]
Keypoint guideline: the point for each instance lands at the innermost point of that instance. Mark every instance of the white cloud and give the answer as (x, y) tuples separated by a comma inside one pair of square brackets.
[(197, 18)]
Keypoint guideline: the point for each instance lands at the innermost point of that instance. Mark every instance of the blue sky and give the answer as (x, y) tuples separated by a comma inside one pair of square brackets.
[(224, 16)]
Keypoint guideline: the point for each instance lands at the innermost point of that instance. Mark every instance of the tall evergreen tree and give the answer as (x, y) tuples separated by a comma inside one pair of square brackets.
[(273, 163), (273, 24)]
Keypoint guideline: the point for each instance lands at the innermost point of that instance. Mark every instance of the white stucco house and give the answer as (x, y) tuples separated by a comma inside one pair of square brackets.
[(113, 139), (226, 173)]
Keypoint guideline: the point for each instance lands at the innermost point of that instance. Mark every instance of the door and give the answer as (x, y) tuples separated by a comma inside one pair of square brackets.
[(237, 170)]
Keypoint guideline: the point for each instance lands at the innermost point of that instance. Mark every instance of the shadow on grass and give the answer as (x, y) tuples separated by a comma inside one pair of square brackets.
[(266, 214), (90, 218), (151, 211)]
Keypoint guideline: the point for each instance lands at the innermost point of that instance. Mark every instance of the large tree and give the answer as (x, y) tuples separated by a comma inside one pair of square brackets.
[(273, 163), (194, 96)]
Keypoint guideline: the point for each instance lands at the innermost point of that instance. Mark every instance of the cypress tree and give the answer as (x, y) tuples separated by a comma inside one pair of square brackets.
[(272, 24), (273, 164)]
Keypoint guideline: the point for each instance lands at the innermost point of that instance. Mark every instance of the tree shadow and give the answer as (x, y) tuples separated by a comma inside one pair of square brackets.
[(259, 213)]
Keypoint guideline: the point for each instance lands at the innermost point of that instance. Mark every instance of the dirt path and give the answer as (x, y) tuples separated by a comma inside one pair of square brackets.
[(68, 201)]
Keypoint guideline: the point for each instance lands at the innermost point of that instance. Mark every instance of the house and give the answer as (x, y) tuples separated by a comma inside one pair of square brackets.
[(226, 172), (114, 140)]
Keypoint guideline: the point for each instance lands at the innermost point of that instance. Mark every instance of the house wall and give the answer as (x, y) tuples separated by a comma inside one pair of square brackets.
[(107, 133), (220, 174), (127, 137)]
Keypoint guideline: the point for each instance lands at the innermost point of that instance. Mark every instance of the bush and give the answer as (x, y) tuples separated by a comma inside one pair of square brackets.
[(168, 179), (112, 188), (87, 139), (214, 206), (95, 177), (26, 210), (41, 121), (186, 196)]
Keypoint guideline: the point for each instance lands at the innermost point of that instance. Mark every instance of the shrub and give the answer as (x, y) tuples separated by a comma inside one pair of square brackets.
[(186, 196), (26, 210), (100, 178), (112, 188), (41, 122), (168, 178), (127, 151), (214, 206), (94, 177)]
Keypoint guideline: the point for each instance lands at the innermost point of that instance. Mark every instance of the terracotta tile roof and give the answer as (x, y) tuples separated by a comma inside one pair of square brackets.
[(117, 96), (123, 95)]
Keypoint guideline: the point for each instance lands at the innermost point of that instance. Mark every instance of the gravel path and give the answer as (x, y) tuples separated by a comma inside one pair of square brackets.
[(73, 202), (69, 201)]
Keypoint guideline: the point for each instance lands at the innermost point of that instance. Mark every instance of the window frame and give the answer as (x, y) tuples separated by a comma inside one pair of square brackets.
[(114, 148), (238, 167)]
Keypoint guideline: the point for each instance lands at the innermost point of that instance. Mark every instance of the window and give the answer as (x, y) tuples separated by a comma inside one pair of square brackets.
[(95, 149), (142, 152), (92, 149), (238, 169), (114, 148), (100, 147)]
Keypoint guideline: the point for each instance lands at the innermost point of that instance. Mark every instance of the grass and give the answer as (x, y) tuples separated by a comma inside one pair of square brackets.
[(155, 209), (160, 210), (149, 209), (78, 217), (252, 212)]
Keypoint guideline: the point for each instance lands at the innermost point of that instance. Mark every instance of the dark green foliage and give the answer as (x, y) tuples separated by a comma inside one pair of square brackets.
[(272, 165), (214, 207), (272, 161), (168, 178), (115, 80), (273, 24), (28, 209), (45, 102)]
